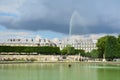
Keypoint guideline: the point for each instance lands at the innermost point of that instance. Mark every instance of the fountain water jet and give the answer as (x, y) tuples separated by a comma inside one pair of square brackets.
[(77, 25), (71, 23)]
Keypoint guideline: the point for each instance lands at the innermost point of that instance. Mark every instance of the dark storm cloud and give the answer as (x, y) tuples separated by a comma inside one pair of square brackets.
[(44, 25), (93, 16)]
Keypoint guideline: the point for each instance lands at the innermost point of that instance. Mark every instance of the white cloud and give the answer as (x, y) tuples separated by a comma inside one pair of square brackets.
[(90, 36), (13, 34)]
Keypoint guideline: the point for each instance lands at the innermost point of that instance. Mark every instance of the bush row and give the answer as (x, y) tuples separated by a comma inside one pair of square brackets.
[(30, 49)]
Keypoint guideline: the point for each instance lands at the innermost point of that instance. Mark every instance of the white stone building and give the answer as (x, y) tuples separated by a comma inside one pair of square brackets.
[(85, 44), (27, 42)]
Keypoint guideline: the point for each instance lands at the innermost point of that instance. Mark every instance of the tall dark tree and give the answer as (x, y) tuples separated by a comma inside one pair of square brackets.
[(101, 46), (118, 47), (111, 47), (108, 46), (118, 39)]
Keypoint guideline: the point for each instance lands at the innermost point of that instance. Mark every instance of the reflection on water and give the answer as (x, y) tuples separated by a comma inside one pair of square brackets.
[(59, 71)]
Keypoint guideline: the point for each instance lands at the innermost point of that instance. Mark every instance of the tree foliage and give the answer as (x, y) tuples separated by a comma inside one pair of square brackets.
[(109, 46), (101, 45), (29, 50), (80, 51), (94, 53), (68, 50)]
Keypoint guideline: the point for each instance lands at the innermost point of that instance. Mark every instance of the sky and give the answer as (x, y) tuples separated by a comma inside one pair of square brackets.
[(53, 18)]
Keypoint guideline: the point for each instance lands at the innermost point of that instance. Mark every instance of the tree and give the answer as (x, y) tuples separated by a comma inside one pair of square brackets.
[(80, 51), (101, 46), (117, 55), (111, 47), (87, 54), (118, 39), (69, 50), (108, 47), (94, 53)]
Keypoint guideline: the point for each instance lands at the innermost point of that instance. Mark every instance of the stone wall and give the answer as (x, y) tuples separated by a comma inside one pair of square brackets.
[(39, 58)]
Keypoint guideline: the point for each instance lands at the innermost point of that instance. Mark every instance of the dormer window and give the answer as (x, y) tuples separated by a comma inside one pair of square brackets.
[(26, 40)]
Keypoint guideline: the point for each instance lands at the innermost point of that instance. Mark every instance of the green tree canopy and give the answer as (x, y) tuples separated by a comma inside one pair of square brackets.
[(101, 43), (68, 50), (111, 47), (108, 46), (80, 51), (94, 53)]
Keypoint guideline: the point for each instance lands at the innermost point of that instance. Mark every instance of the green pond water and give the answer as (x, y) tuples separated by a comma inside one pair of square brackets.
[(59, 71)]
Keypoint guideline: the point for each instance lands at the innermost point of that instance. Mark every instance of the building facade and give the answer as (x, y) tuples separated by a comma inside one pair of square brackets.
[(27, 42), (85, 44)]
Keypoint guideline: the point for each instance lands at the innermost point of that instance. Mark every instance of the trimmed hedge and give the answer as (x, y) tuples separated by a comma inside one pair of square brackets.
[(48, 50)]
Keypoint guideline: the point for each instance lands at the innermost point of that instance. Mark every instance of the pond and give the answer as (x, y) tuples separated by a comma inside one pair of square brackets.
[(59, 71)]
